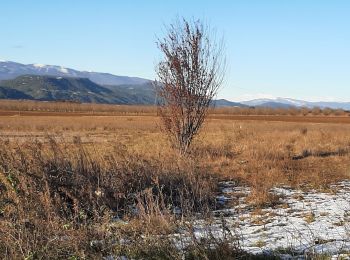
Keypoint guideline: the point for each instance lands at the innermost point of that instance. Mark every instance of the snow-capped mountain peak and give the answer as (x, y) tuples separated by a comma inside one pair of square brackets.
[(63, 70), (11, 70), (290, 102), (38, 65)]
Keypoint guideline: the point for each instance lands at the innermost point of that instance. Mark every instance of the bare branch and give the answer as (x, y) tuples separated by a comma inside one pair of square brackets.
[(188, 78)]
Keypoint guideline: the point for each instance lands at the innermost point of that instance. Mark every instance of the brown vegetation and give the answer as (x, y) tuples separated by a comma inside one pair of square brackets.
[(190, 75), (73, 186), (31, 108)]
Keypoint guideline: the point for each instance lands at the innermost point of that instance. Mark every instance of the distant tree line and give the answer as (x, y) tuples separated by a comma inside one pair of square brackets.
[(71, 107)]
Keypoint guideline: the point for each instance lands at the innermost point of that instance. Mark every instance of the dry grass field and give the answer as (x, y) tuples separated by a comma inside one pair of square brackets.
[(71, 179)]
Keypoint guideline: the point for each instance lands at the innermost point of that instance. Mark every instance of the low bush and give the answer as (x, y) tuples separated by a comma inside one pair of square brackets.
[(55, 197)]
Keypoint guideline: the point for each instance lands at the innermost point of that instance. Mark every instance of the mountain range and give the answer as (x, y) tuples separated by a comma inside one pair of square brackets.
[(10, 70), (55, 88), (51, 82), (289, 103)]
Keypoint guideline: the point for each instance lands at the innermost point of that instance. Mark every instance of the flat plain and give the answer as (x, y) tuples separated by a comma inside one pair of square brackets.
[(58, 169)]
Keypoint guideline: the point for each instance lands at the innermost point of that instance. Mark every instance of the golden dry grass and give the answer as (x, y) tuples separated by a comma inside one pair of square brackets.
[(130, 156), (259, 153), (293, 153)]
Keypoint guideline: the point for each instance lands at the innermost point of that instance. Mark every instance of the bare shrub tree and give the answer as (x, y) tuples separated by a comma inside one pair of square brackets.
[(189, 77)]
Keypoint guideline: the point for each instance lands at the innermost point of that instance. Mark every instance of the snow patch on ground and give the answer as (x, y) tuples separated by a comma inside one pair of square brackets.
[(302, 223)]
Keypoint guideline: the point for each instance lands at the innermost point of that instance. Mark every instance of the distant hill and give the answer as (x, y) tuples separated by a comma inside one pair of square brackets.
[(54, 88), (57, 88), (289, 102), (9, 93), (273, 104), (11, 70), (226, 103), (50, 88), (135, 94), (18, 81)]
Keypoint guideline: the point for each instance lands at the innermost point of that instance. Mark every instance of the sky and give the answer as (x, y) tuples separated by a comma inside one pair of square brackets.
[(283, 48)]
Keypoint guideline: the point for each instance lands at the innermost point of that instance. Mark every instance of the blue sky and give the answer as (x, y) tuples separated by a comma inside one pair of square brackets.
[(282, 48)]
